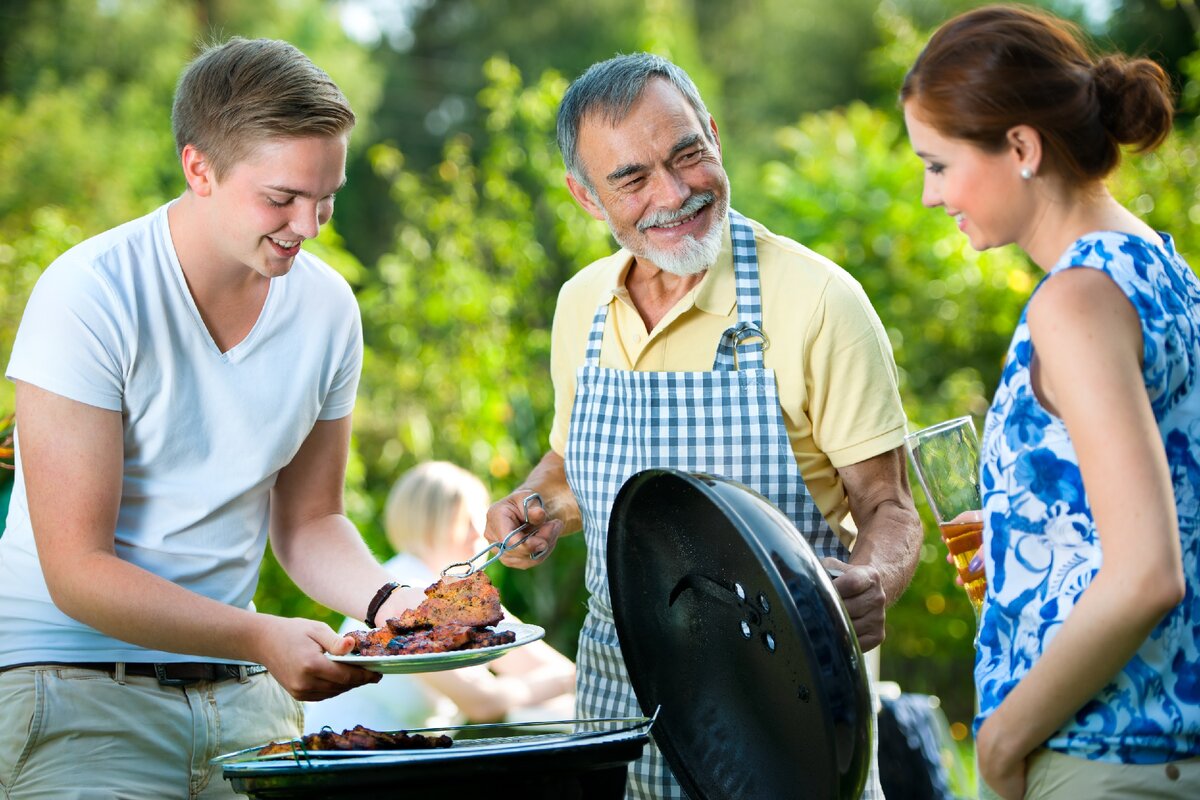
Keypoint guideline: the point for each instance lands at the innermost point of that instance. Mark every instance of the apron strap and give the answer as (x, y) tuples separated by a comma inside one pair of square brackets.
[(591, 357), (741, 347)]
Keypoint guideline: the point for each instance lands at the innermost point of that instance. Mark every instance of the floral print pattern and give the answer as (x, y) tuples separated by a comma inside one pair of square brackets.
[(1041, 550)]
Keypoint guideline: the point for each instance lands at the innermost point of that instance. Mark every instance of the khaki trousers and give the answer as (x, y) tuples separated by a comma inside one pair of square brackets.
[(1054, 776), (68, 733)]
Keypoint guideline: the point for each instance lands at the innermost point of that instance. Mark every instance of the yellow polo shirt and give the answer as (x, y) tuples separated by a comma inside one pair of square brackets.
[(837, 378)]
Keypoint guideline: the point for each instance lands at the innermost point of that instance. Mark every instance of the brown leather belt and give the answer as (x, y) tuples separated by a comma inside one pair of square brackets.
[(183, 673)]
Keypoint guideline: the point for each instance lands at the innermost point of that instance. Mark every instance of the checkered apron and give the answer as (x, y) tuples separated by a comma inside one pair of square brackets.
[(725, 422)]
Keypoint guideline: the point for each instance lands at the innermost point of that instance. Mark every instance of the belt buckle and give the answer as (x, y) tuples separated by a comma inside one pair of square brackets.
[(160, 673)]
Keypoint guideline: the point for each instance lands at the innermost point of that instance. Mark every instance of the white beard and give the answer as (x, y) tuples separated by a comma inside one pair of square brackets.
[(692, 256)]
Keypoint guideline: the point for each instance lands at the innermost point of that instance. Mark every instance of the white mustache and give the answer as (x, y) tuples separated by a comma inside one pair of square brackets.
[(690, 206)]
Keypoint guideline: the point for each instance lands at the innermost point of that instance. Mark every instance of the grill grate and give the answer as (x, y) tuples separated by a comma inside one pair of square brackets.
[(554, 734)]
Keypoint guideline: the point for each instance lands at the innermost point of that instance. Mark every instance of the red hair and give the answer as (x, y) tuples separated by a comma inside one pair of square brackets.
[(993, 68)]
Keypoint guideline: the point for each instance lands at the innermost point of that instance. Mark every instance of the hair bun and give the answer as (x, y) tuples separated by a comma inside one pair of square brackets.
[(1135, 101), (1109, 75)]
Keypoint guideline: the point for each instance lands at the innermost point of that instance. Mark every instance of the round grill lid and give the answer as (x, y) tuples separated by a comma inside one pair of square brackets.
[(728, 621)]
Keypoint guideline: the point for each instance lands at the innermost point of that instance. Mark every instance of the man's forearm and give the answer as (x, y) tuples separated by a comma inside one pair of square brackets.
[(889, 529), (891, 542)]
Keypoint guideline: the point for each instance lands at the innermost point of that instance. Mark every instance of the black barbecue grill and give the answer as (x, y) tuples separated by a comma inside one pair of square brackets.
[(730, 623), (740, 652), (588, 763)]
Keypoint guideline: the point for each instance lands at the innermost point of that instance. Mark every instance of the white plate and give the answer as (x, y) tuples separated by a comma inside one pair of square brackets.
[(455, 659)]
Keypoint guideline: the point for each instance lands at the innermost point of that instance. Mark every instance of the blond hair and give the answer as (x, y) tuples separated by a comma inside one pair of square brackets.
[(236, 95), (428, 502)]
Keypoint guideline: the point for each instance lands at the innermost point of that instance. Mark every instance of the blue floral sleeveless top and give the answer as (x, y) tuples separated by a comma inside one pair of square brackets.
[(1041, 550)]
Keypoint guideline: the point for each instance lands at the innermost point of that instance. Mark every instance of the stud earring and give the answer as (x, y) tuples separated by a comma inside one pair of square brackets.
[(1026, 173)]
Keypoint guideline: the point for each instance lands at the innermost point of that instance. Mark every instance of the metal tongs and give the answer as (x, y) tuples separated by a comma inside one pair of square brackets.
[(463, 569)]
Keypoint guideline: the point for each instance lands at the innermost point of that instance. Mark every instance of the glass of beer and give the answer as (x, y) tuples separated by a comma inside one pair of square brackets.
[(946, 459)]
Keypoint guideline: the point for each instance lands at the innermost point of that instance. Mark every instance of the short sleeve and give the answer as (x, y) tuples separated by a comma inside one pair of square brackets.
[(574, 313), (566, 356), (853, 383), (73, 340), (342, 392)]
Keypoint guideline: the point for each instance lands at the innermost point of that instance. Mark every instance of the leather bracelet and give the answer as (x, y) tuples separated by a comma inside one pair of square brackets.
[(380, 597)]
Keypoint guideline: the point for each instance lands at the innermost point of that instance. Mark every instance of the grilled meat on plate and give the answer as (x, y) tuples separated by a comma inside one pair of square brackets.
[(472, 601), (455, 615)]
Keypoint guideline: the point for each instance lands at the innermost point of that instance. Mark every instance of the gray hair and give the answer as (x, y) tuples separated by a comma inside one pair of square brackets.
[(610, 88)]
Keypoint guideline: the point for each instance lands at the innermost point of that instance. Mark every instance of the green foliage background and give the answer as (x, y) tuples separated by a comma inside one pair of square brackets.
[(456, 229)]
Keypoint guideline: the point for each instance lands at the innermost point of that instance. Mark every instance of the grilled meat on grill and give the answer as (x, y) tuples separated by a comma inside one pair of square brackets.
[(356, 738)]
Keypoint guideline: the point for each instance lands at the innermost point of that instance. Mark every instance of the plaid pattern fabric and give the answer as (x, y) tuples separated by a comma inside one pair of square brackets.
[(725, 422)]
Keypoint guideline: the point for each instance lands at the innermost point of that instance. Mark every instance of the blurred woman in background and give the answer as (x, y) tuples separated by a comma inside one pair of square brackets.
[(433, 518), (1086, 666)]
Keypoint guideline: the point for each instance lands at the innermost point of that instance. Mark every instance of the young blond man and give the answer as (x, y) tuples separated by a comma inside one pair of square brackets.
[(184, 385)]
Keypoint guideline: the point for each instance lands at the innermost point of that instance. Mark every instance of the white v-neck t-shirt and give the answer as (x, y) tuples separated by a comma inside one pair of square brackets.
[(111, 323)]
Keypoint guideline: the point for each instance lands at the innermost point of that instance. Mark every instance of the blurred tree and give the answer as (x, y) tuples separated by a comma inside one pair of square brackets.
[(778, 59), (1164, 30), (433, 79)]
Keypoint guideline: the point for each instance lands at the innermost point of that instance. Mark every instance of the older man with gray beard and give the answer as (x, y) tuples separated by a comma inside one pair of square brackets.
[(633, 354)]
